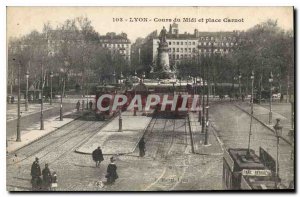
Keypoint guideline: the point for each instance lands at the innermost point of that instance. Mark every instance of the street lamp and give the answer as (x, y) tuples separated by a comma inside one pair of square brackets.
[(114, 75), (134, 109), (207, 124), (63, 73), (270, 113), (278, 132), (19, 102), (143, 76), (251, 118), (26, 99), (51, 77)]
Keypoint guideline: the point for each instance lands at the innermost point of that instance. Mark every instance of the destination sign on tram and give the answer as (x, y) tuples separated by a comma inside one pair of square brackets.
[(247, 172)]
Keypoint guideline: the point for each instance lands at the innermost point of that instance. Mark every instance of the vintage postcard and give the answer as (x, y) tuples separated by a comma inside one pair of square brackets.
[(150, 99)]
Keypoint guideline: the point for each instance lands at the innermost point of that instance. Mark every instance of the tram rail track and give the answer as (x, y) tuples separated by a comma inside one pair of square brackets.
[(84, 129)]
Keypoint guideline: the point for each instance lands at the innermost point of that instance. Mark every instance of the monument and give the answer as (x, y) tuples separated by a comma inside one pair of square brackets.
[(163, 64)]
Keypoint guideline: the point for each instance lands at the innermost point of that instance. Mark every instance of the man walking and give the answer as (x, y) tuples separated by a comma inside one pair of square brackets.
[(91, 105), (35, 174), (142, 147), (46, 178), (97, 156), (78, 105)]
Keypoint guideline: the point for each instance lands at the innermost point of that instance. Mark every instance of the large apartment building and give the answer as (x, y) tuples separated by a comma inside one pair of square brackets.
[(188, 46), (117, 44)]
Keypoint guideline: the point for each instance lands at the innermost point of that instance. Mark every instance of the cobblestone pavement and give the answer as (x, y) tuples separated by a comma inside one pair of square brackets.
[(232, 126), (167, 165)]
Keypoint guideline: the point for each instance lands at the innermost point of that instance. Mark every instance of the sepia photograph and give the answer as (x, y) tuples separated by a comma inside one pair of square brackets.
[(150, 99)]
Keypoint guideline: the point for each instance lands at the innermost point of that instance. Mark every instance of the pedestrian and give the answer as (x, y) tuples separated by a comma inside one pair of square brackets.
[(35, 174), (91, 104), (97, 156), (16, 161), (111, 175), (82, 105), (142, 147), (46, 178), (243, 97), (78, 105), (54, 181), (12, 99)]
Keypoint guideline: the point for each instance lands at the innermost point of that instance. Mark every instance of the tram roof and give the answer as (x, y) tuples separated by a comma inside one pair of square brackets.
[(244, 161)]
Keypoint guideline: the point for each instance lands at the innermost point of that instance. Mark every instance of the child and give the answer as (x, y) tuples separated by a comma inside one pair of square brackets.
[(54, 182)]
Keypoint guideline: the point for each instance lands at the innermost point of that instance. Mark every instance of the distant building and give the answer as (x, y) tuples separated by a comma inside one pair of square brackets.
[(117, 44), (188, 46)]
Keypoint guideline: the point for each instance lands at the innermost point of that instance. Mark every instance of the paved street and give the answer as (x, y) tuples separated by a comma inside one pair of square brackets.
[(232, 126), (168, 164), (32, 117)]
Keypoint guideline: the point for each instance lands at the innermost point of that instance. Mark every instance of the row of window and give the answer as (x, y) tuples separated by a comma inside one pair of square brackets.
[(216, 44), (182, 50), (189, 50), (115, 40), (218, 38), (180, 56), (182, 43), (116, 45)]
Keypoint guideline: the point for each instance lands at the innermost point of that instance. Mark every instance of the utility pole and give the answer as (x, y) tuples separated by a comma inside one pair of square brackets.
[(191, 135), (251, 118), (19, 103), (61, 99), (203, 102), (42, 102)]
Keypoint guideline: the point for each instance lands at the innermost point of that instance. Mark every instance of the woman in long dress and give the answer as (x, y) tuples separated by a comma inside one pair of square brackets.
[(111, 172)]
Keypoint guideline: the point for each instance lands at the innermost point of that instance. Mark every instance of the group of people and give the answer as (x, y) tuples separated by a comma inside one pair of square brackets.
[(47, 182), (78, 105), (111, 172), (43, 180)]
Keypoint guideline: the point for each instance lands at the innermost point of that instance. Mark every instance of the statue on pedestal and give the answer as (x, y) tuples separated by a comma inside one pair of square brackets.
[(163, 63)]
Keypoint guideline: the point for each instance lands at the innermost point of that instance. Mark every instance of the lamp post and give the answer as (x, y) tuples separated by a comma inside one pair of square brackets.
[(251, 118), (240, 90), (114, 75), (134, 109), (206, 129), (42, 102), (62, 90), (200, 111), (51, 77), (278, 132), (26, 99), (203, 103), (270, 113), (120, 110), (143, 77)]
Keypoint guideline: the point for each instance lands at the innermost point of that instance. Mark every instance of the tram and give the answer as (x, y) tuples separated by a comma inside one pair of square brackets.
[(106, 102), (243, 170)]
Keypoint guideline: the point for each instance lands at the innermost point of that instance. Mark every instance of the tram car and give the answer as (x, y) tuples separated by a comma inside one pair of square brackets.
[(244, 170), (107, 102), (171, 90)]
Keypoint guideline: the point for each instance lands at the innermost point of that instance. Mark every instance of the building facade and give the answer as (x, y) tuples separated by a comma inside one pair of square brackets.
[(117, 44), (189, 46)]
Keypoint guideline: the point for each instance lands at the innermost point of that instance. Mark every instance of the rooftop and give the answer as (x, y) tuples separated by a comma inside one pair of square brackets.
[(244, 161)]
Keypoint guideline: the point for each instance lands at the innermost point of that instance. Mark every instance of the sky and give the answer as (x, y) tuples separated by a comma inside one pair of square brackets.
[(22, 20)]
